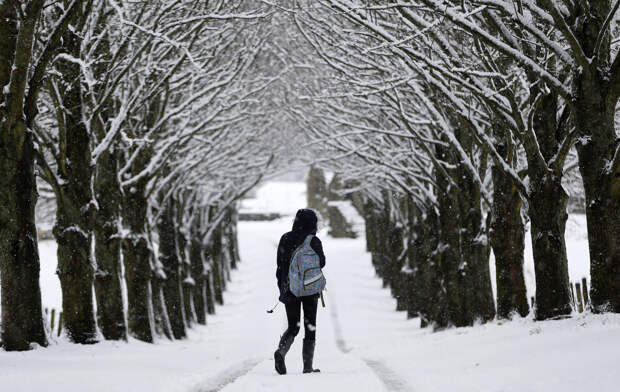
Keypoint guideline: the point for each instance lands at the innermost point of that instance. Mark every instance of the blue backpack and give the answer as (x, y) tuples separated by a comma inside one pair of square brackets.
[(304, 274)]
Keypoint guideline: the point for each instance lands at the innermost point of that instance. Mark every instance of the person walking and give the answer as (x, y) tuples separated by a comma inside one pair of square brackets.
[(304, 229)]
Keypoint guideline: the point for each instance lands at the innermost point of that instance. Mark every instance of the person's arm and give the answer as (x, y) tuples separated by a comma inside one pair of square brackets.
[(317, 246), (280, 261)]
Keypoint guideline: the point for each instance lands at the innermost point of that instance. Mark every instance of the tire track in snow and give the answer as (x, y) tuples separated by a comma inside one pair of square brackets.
[(390, 379), (228, 376), (340, 342)]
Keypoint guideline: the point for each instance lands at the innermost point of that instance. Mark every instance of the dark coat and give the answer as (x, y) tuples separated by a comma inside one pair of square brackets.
[(304, 225)]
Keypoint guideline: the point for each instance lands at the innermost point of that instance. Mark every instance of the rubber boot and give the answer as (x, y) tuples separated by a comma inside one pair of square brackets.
[(285, 344), (307, 355)]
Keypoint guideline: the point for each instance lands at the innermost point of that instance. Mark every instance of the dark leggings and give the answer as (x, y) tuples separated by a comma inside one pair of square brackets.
[(293, 314)]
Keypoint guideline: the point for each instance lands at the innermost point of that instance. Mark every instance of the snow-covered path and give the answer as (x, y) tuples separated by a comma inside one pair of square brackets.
[(253, 291)]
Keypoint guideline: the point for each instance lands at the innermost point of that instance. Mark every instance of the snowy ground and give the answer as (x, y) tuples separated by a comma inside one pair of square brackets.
[(362, 343)]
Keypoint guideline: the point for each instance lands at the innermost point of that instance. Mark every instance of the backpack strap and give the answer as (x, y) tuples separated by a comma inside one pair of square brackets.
[(308, 239)]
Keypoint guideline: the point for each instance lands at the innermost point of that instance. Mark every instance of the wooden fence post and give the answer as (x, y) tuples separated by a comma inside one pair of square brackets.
[(579, 298), (586, 297), (59, 323), (52, 319)]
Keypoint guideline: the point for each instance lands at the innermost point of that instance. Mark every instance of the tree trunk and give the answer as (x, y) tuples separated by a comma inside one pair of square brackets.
[(137, 259), (548, 215), (22, 317), (604, 241), (75, 212), (476, 251), (317, 190), (395, 276), (598, 148), (427, 267), (602, 189), (172, 286), (370, 226), (508, 242), (234, 236), (187, 282), (452, 303), (210, 291), (231, 238), (108, 284), (380, 254), (216, 271), (547, 210), (198, 274), (162, 320), (411, 262)]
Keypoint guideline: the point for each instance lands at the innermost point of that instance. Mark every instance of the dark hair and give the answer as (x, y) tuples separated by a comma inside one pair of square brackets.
[(305, 221)]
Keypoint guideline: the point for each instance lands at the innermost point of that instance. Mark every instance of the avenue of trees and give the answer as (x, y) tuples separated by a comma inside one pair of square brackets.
[(456, 123), (451, 124), (145, 121)]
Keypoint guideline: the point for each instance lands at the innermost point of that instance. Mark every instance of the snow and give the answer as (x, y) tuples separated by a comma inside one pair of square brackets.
[(363, 344), (51, 295), (277, 196), (350, 215)]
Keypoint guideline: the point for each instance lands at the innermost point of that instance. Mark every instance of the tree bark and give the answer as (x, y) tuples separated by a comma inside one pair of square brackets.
[(172, 286), (598, 148), (411, 271), (108, 283), (547, 210), (76, 209), (199, 273), (380, 254), (22, 316), (137, 259), (428, 298), (452, 309), (108, 276), (217, 267), (476, 252), (210, 290), (232, 238), (187, 282), (602, 190), (508, 243), (200, 291), (162, 320), (548, 215)]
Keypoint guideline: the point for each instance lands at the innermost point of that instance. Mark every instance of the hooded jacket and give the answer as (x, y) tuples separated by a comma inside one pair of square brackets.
[(305, 224)]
